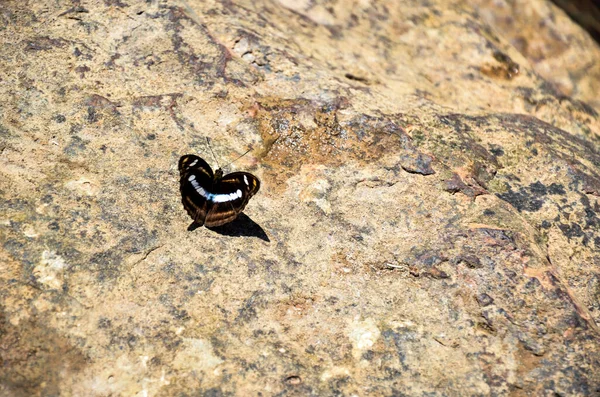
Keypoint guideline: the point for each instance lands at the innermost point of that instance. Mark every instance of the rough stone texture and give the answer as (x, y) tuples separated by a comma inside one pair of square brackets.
[(427, 225), (585, 12), (546, 36)]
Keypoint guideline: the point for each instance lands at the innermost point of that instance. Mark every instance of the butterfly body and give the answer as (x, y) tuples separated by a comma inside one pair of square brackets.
[(213, 199)]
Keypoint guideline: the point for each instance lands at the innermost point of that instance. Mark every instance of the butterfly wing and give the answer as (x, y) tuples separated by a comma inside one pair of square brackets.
[(196, 181), (231, 194), (191, 162)]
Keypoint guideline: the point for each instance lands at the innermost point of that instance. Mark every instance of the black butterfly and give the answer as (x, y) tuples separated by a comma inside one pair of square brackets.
[(213, 199)]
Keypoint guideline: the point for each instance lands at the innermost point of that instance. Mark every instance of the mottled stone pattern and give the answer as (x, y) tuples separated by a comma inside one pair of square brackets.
[(428, 221), (557, 48)]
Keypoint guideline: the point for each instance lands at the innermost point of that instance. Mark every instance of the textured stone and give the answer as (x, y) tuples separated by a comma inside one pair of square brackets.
[(427, 222)]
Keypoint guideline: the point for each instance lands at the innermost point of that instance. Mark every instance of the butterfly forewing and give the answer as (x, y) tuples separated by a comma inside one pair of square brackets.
[(209, 199), (190, 162), (195, 176)]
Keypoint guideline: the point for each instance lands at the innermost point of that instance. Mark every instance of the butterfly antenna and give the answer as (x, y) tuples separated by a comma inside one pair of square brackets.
[(231, 162), (213, 153)]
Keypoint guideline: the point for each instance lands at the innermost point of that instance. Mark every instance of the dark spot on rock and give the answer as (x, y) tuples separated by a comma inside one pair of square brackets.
[(486, 327), (591, 183), (293, 380), (398, 339), (508, 69), (59, 118), (425, 258), (392, 373), (521, 200), (538, 188), (484, 300), (332, 300), (92, 116), (483, 173), (456, 184), (496, 150), (74, 10), (116, 3), (574, 320), (335, 32), (214, 392), (591, 219), (164, 299), (471, 261), (139, 242), (248, 310), (593, 289), (100, 103), (512, 178), (582, 106), (179, 314), (104, 322), (156, 361), (44, 43), (53, 226), (151, 137), (361, 79), (556, 188), (4, 132), (111, 63), (82, 70), (571, 230), (107, 264), (502, 57), (75, 146), (368, 355), (488, 212), (545, 225), (417, 163)]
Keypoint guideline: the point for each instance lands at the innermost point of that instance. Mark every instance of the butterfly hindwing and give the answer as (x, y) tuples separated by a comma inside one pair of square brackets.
[(232, 193), (209, 198)]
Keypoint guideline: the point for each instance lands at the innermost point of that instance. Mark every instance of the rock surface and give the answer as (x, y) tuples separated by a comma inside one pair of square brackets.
[(427, 223)]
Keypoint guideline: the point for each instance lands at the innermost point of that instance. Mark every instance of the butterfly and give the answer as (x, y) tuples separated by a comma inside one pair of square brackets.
[(212, 199)]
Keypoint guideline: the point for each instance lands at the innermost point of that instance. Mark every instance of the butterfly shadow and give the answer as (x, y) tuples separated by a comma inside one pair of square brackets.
[(242, 226)]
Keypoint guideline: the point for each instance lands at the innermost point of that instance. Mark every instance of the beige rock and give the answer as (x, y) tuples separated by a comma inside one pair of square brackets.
[(427, 221)]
